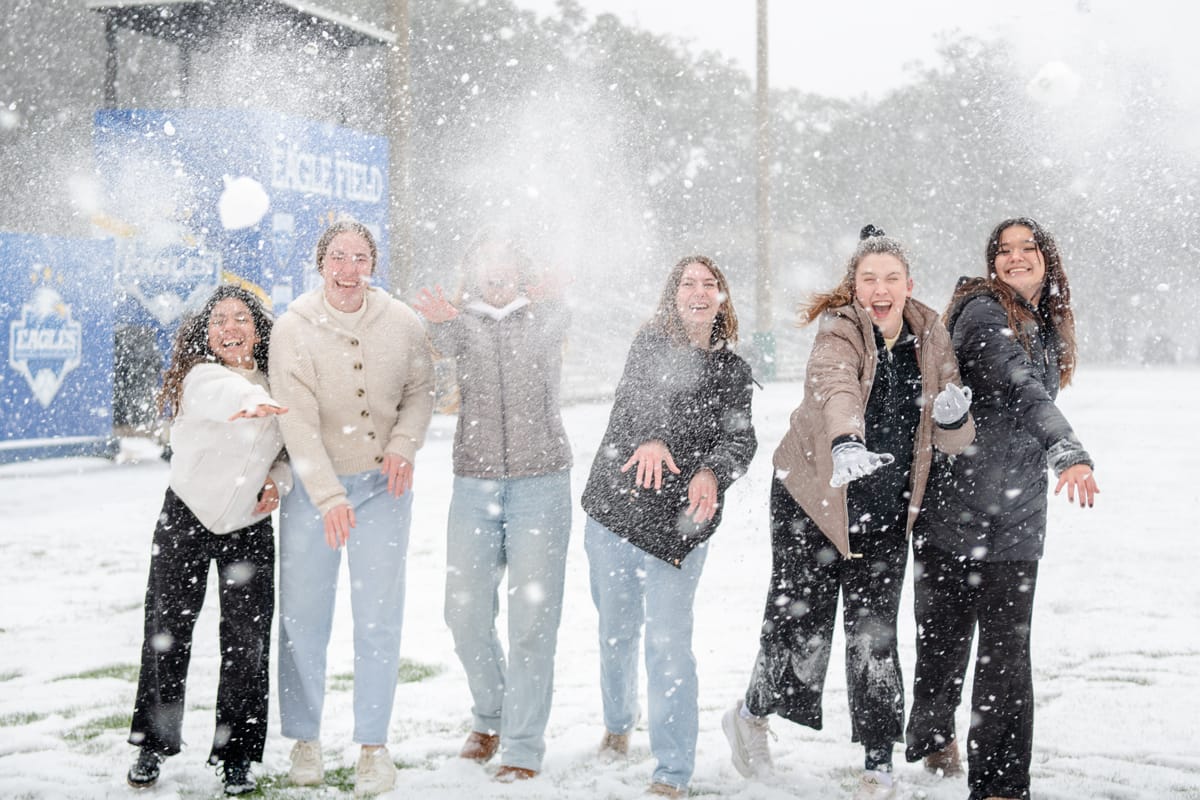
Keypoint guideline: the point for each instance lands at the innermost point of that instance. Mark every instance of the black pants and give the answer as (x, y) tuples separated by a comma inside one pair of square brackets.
[(952, 595), (807, 575), (183, 548)]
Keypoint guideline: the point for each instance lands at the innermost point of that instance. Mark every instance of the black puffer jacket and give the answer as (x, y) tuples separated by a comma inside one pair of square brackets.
[(989, 503), (696, 402)]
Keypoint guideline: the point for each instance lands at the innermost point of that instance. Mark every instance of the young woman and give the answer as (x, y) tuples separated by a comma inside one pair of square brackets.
[(983, 524), (511, 506), (353, 364), (226, 479), (880, 396), (679, 434)]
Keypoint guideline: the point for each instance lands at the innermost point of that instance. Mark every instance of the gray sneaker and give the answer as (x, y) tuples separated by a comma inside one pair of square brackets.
[(749, 750), (375, 773), (307, 768)]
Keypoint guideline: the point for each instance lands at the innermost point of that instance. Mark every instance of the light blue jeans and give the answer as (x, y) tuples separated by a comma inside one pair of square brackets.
[(630, 586), (522, 524), (377, 552)]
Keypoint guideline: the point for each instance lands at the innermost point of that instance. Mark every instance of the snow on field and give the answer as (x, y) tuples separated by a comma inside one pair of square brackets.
[(1116, 639)]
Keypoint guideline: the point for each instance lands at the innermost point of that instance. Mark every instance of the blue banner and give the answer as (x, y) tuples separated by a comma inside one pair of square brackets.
[(56, 308), (194, 197)]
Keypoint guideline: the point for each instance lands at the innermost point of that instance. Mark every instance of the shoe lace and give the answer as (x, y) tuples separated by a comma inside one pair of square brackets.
[(756, 743)]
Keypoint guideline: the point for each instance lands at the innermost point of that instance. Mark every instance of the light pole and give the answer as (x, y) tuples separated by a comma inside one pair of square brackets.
[(400, 211), (764, 337)]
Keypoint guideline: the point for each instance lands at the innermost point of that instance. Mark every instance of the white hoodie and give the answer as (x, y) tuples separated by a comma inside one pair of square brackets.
[(218, 466)]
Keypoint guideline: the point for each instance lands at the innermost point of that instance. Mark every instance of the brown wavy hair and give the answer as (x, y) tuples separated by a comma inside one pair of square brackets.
[(1054, 305), (191, 343), (666, 316), (347, 226), (843, 295)]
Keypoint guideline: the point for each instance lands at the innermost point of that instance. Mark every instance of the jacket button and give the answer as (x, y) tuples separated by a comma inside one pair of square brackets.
[(365, 413), (358, 365), (354, 342), (360, 392), (378, 459), (370, 434)]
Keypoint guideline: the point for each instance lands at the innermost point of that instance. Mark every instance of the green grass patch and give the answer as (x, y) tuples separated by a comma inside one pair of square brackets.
[(409, 672), (21, 718), (413, 671), (95, 727), (125, 672)]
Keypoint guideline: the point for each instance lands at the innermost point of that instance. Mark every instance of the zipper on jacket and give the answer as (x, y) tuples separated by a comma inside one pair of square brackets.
[(500, 396)]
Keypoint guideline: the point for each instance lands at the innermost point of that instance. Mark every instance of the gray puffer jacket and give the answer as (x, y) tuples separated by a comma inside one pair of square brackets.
[(509, 368)]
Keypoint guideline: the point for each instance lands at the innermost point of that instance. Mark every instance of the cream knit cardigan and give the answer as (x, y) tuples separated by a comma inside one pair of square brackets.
[(351, 395)]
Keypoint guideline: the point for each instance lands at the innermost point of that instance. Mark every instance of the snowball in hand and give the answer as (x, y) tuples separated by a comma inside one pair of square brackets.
[(243, 203)]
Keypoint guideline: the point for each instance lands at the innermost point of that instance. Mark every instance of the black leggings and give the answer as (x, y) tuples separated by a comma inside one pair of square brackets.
[(952, 595), (807, 576), (183, 548)]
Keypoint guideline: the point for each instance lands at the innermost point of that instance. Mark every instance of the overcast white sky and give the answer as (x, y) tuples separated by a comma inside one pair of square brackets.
[(847, 48)]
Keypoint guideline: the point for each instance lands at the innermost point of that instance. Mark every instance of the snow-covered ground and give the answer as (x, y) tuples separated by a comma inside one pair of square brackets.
[(1116, 639)]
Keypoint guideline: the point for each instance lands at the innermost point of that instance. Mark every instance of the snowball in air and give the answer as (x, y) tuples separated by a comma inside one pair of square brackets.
[(243, 203), (1055, 84)]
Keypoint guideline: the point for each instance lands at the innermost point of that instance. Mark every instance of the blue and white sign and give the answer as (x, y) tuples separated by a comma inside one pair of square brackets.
[(194, 197), (56, 309)]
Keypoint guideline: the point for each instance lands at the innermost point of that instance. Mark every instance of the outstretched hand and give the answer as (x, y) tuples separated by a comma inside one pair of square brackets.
[(1079, 478), (852, 460), (649, 459), (434, 307), (951, 404), (261, 410)]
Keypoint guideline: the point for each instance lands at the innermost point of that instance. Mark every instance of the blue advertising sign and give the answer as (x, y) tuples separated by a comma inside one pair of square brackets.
[(197, 197), (56, 309), (194, 197)]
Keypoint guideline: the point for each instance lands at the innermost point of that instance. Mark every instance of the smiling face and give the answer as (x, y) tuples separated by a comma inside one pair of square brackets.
[(231, 333), (1020, 263), (697, 300), (881, 285), (346, 269)]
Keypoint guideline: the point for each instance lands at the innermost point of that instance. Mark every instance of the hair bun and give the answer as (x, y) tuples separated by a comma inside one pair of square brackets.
[(870, 230)]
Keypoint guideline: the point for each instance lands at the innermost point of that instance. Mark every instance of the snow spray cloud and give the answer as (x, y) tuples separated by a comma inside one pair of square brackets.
[(1116, 83), (553, 172)]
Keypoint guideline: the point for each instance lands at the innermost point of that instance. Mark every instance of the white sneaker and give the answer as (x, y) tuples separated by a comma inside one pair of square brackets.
[(749, 750), (375, 773), (875, 785), (307, 768)]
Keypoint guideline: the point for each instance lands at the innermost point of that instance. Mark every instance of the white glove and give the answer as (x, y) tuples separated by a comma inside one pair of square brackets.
[(951, 404), (851, 460)]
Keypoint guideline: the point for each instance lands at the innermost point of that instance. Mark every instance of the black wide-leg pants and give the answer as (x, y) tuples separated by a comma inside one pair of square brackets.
[(951, 596), (183, 548), (807, 576)]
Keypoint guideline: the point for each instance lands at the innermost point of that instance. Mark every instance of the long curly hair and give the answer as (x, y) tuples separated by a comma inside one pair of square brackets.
[(873, 241), (191, 343), (1054, 305), (666, 316)]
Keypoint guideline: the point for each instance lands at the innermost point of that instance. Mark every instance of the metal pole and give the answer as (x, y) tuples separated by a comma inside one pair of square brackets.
[(110, 60), (399, 121), (764, 338)]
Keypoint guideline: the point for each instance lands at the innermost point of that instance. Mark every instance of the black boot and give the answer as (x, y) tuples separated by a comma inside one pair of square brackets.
[(238, 779), (144, 772)]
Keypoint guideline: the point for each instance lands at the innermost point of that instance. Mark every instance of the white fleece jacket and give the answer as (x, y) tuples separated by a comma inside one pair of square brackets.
[(218, 466)]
